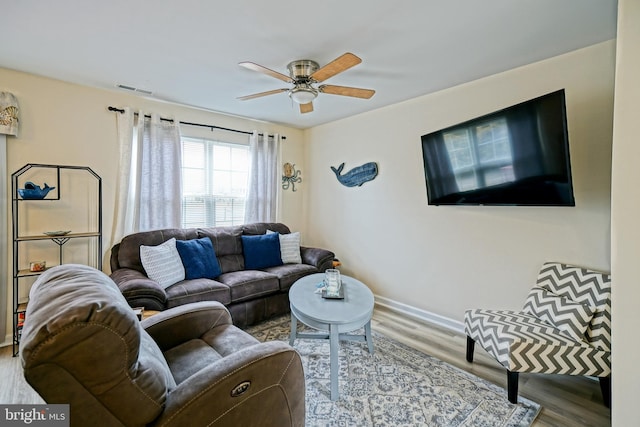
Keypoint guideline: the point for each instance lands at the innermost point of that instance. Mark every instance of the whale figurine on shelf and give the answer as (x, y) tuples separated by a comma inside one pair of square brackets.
[(32, 191), (356, 176)]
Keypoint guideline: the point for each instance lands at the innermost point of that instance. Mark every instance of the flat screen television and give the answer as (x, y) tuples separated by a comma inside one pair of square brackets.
[(517, 156)]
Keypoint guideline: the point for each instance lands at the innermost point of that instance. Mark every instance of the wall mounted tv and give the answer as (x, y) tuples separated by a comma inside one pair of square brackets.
[(517, 156)]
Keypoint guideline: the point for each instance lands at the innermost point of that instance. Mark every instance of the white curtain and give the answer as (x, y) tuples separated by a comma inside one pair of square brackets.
[(264, 179), (149, 193)]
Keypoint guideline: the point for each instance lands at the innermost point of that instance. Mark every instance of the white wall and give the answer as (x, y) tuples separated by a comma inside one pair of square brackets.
[(63, 123), (625, 210), (445, 259)]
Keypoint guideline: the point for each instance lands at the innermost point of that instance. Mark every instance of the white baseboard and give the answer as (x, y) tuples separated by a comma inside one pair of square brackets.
[(401, 308), (419, 314), (8, 340)]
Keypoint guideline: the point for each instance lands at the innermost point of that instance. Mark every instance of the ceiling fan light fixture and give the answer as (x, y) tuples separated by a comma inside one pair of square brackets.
[(305, 75), (303, 94)]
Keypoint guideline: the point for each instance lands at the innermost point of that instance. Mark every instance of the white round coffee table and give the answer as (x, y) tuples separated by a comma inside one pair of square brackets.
[(335, 316)]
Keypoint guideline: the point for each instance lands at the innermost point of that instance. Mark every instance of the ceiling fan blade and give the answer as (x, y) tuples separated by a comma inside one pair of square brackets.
[(347, 91), (258, 95), (306, 108), (264, 70), (336, 66)]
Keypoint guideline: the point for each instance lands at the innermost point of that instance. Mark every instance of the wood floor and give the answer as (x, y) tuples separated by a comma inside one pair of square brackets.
[(566, 401)]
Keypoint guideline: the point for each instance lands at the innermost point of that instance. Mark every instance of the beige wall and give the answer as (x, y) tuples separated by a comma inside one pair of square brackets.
[(445, 259), (62, 123), (438, 260), (625, 210)]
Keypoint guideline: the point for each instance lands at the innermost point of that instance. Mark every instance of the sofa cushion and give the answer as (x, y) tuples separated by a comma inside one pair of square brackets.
[(289, 247), (198, 258), (261, 251), (129, 248), (569, 316), (227, 245), (162, 263), (287, 274), (257, 228), (195, 290), (225, 240), (249, 284)]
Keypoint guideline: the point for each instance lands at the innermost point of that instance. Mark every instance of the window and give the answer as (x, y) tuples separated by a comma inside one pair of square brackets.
[(214, 182), (481, 154)]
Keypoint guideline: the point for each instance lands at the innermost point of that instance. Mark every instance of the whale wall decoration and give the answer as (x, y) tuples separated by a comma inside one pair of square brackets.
[(356, 176)]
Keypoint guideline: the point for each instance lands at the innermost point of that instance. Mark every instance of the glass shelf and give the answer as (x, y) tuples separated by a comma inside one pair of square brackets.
[(62, 236), (69, 200)]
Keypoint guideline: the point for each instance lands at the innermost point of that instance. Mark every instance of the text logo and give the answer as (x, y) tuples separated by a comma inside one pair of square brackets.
[(34, 415)]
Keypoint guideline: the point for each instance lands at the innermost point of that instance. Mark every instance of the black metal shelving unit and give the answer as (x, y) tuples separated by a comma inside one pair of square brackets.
[(19, 205)]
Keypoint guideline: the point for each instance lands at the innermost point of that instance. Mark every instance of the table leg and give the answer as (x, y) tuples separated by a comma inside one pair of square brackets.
[(334, 344), (294, 328), (369, 338)]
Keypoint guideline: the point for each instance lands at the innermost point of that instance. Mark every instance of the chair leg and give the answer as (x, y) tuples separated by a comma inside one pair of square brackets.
[(470, 347), (512, 386), (605, 386)]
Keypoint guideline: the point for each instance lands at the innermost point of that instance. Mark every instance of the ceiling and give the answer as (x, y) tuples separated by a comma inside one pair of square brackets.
[(188, 52)]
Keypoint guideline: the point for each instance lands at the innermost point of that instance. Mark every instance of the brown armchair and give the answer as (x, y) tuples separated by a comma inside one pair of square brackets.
[(83, 345)]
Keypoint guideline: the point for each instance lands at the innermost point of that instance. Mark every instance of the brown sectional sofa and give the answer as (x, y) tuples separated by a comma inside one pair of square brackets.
[(250, 295)]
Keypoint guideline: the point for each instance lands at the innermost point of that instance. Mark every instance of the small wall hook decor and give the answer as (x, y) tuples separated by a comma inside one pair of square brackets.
[(8, 114), (290, 176)]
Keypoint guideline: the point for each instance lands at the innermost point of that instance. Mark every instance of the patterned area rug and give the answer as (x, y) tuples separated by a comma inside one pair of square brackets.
[(397, 386)]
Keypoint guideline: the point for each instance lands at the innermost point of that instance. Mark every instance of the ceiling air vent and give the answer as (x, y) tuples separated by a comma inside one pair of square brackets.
[(134, 89)]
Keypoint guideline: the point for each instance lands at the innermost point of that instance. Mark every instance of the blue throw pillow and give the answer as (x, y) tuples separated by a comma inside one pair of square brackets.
[(198, 258), (261, 251)]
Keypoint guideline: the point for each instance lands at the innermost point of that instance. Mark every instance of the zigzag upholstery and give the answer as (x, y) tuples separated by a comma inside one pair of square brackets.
[(586, 286), (572, 318), (564, 327)]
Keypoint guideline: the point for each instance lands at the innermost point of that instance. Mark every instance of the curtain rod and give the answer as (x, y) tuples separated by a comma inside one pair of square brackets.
[(212, 127)]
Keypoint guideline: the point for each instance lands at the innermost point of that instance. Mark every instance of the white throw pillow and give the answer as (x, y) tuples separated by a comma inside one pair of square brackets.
[(162, 263), (289, 247)]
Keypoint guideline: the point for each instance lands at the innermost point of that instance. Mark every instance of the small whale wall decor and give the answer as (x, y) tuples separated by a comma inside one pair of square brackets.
[(34, 191), (356, 176)]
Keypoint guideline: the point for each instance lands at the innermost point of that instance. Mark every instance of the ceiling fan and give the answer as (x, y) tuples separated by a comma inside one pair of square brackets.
[(305, 74)]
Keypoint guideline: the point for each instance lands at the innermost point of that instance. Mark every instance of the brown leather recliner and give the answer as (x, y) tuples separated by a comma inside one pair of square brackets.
[(83, 345)]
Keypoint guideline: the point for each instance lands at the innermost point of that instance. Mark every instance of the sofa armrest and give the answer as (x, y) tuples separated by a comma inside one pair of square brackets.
[(275, 378), (139, 290), (321, 259), (113, 258), (185, 322)]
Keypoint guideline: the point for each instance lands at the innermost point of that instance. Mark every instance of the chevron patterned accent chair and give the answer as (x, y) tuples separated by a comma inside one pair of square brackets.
[(564, 327)]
